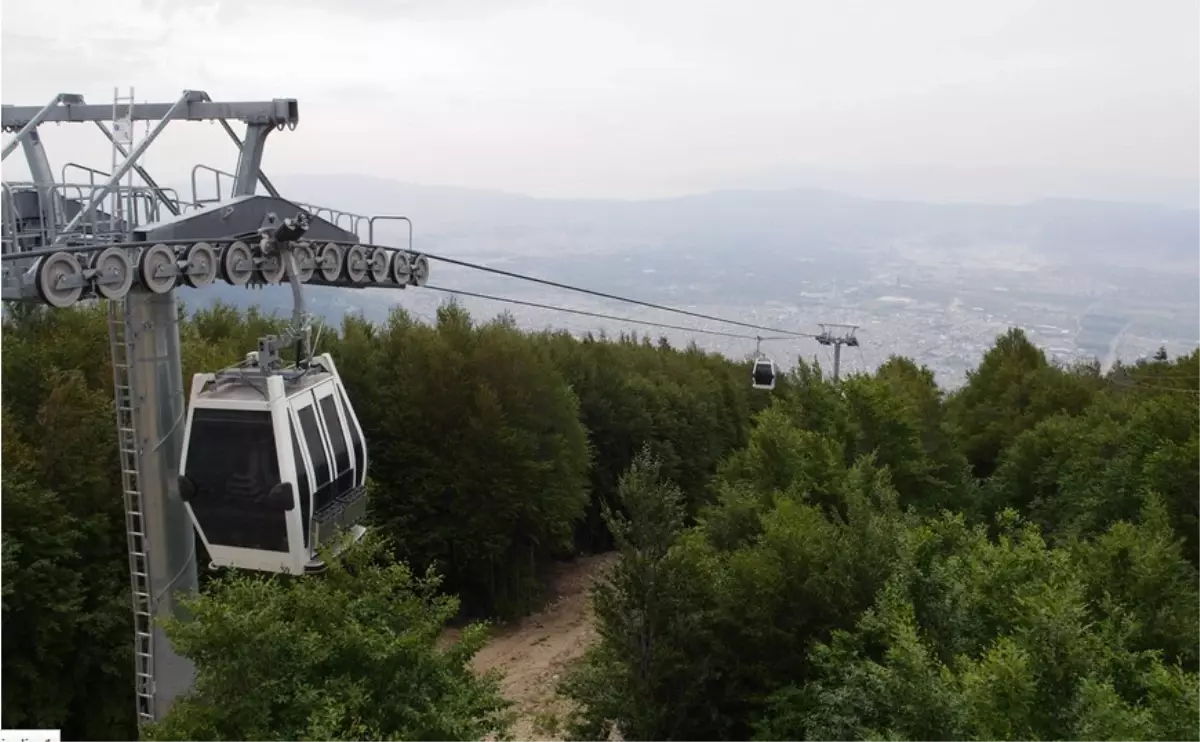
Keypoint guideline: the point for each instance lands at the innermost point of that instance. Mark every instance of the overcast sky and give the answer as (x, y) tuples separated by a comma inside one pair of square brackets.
[(639, 98)]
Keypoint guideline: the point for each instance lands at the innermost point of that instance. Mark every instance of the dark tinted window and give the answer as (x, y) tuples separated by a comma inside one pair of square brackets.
[(316, 448), (301, 481), (314, 436), (360, 451), (763, 374), (233, 464), (341, 451)]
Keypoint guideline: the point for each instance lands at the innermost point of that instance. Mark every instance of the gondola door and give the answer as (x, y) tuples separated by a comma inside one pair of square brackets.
[(234, 461), (304, 477), (316, 448), (358, 447), (341, 461)]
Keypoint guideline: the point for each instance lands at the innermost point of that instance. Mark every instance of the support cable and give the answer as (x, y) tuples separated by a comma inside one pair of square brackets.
[(605, 295), (598, 315)]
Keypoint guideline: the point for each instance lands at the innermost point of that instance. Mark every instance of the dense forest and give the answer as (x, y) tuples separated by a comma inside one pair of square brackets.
[(1016, 559)]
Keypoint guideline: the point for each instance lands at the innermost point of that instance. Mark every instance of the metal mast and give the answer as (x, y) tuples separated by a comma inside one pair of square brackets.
[(148, 525), (837, 336), (59, 248)]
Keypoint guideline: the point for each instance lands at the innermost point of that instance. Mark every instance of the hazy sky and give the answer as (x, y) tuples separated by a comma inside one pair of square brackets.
[(625, 98)]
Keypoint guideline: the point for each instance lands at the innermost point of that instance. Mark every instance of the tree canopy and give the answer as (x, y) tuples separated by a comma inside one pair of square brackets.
[(350, 655), (1016, 558)]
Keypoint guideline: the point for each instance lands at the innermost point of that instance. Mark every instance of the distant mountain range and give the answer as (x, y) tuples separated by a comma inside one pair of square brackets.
[(760, 223)]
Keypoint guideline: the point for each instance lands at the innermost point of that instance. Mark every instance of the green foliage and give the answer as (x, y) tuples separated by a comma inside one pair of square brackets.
[(68, 662), (735, 633), (1056, 599), (352, 654), (898, 415), (781, 459), (980, 639), (690, 408), (827, 559), (1076, 475), (492, 451), (873, 559), (635, 679), (1013, 389), (903, 420), (477, 449)]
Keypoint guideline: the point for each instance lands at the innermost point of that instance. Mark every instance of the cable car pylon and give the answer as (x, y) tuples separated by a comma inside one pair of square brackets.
[(837, 336), (133, 244)]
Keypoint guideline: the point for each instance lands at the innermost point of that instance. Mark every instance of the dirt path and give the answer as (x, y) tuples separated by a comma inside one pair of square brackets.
[(533, 653)]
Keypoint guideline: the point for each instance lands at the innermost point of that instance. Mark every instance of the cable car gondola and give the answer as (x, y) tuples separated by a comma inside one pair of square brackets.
[(763, 375), (273, 467), (274, 462)]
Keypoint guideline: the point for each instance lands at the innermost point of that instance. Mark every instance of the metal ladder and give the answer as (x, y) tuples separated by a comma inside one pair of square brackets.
[(123, 134), (135, 522)]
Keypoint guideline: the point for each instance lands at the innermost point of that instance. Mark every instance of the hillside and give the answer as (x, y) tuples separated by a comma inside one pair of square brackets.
[(535, 653), (877, 558)]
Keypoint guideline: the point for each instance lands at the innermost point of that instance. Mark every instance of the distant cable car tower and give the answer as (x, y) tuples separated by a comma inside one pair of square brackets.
[(837, 336)]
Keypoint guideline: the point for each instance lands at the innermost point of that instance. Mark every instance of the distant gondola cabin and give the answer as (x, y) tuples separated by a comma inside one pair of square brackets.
[(273, 467), (762, 376)]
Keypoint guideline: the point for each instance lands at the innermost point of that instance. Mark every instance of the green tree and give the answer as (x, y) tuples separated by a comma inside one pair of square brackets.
[(942, 480), (692, 408), (351, 654), (67, 622), (980, 639), (477, 449), (649, 609), (1077, 475), (813, 569), (1012, 390)]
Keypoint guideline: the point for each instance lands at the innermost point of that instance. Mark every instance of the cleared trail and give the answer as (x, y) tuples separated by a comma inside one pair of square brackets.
[(532, 653)]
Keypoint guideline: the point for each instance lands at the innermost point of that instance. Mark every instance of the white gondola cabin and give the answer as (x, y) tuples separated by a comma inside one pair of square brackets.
[(273, 466), (762, 376)]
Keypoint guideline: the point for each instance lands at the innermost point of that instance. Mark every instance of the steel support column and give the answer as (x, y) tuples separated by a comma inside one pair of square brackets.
[(245, 178), (262, 178), (157, 383), (43, 178)]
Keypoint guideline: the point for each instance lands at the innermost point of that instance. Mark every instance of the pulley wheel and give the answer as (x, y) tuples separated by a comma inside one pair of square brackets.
[(329, 262), (235, 274), (155, 259), (401, 269), (114, 272), (272, 268), (420, 270), (50, 271), (304, 259), (356, 264), (379, 261), (201, 267)]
